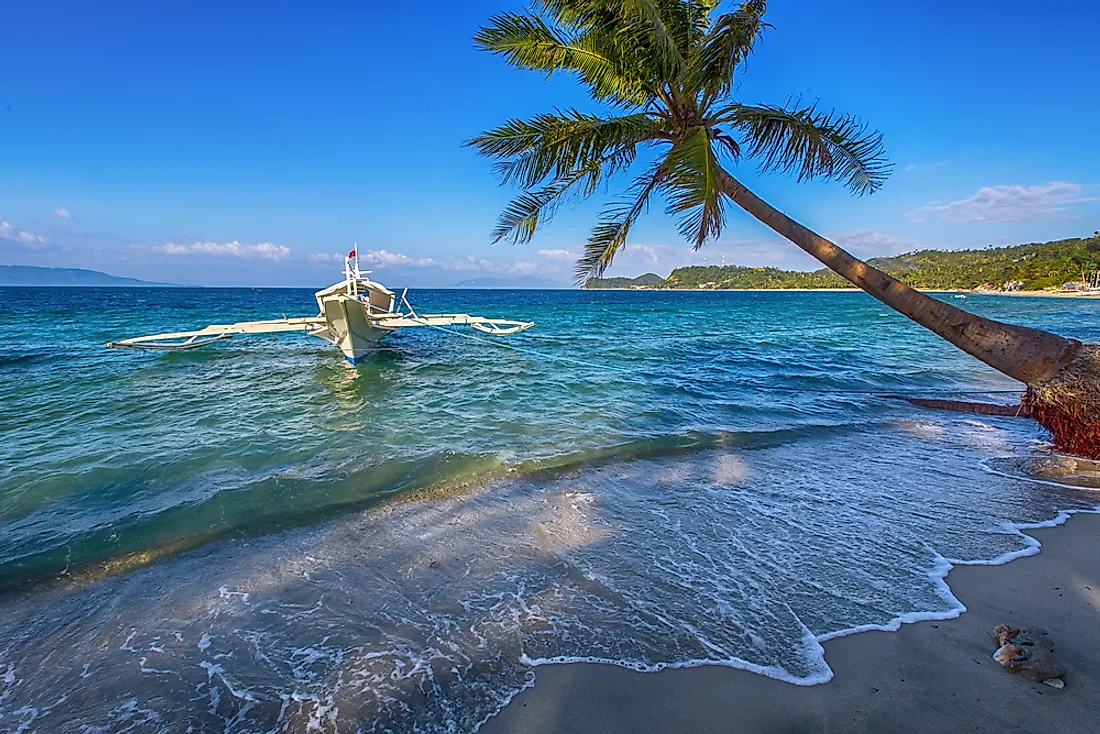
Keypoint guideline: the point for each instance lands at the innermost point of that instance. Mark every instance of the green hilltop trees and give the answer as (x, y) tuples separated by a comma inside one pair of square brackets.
[(1036, 266)]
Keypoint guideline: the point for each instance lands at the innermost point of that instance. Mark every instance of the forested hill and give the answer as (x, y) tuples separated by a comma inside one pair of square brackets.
[(1036, 266), (649, 280)]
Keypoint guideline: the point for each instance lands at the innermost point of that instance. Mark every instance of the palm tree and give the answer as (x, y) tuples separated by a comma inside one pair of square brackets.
[(666, 69)]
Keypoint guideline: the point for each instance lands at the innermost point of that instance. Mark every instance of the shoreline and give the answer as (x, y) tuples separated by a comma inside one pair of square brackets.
[(929, 675), (1016, 294)]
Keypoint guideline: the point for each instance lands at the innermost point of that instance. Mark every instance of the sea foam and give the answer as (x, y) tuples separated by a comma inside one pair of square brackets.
[(431, 615)]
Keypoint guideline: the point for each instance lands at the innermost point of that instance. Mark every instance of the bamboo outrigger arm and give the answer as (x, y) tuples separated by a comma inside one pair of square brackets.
[(314, 326), (496, 327), (181, 340)]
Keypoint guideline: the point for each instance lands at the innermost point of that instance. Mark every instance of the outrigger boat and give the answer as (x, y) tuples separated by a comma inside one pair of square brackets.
[(354, 314)]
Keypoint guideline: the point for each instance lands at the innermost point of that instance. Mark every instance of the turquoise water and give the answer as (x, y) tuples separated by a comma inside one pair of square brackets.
[(260, 537)]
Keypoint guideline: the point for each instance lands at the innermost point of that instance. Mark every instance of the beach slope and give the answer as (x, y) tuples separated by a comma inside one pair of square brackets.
[(927, 677)]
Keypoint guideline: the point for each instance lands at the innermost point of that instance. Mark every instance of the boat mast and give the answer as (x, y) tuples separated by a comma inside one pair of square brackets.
[(352, 274)]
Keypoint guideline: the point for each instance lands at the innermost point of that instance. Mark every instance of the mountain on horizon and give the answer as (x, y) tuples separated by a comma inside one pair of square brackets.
[(522, 281), (30, 275)]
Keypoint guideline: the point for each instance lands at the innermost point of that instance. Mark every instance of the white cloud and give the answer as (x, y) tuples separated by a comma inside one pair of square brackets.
[(8, 232), (865, 243), (469, 263), (264, 250), (557, 254), (647, 252), (523, 267), (1009, 204), (31, 239), (936, 164), (270, 251), (63, 213), (637, 258), (376, 259), (384, 258)]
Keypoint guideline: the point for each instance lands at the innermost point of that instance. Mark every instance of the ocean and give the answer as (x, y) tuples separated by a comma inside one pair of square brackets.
[(259, 537)]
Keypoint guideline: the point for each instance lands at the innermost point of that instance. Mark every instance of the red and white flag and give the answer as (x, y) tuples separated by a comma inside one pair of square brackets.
[(351, 255)]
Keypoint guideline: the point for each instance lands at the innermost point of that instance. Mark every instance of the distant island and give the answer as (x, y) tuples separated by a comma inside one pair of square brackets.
[(1031, 267), (649, 280), (28, 275)]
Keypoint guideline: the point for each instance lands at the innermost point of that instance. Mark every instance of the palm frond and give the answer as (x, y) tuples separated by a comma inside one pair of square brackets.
[(815, 144), (524, 214), (573, 13), (524, 41), (698, 23), (732, 147), (527, 42), (653, 14), (610, 233), (728, 42), (552, 145), (692, 188), (641, 30), (527, 212)]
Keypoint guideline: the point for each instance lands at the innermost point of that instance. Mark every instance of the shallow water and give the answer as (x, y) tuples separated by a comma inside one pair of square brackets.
[(258, 537)]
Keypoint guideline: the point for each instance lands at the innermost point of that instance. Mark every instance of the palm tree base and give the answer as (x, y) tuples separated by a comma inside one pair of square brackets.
[(1068, 404)]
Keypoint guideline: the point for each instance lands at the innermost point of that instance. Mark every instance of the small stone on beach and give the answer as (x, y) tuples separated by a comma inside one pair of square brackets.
[(1029, 652)]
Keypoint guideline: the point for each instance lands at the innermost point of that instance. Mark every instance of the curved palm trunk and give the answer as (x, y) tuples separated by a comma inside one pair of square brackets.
[(1062, 375)]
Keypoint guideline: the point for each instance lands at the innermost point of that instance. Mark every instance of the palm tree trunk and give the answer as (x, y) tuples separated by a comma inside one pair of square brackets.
[(1062, 375)]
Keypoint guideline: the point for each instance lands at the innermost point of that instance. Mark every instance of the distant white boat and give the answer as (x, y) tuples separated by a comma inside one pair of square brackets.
[(960, 296), (354, 314)]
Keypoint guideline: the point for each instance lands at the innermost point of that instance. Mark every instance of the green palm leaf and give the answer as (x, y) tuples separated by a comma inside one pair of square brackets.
[(532, 209), (640, 33), (726, 45), (692, 188), (553, 145), (526, 42), (815, 144), (655, 16), (610, 233)]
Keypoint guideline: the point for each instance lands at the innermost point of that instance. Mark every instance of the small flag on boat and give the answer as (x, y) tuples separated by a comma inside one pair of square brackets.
[(351, 254)]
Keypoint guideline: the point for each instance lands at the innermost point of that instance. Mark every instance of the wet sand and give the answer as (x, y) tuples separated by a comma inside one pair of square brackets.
[(927, 677)]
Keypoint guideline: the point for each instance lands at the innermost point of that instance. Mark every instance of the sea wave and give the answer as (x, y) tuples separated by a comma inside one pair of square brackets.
[(125, 516), (430, 614)]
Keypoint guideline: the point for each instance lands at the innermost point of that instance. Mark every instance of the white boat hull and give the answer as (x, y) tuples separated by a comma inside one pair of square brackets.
[(350, 329)]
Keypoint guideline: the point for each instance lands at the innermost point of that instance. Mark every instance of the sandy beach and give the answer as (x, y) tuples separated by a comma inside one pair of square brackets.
[(926, 677)]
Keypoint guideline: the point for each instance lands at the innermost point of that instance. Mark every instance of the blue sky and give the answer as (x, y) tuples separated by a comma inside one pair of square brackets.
[(242, 144)]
